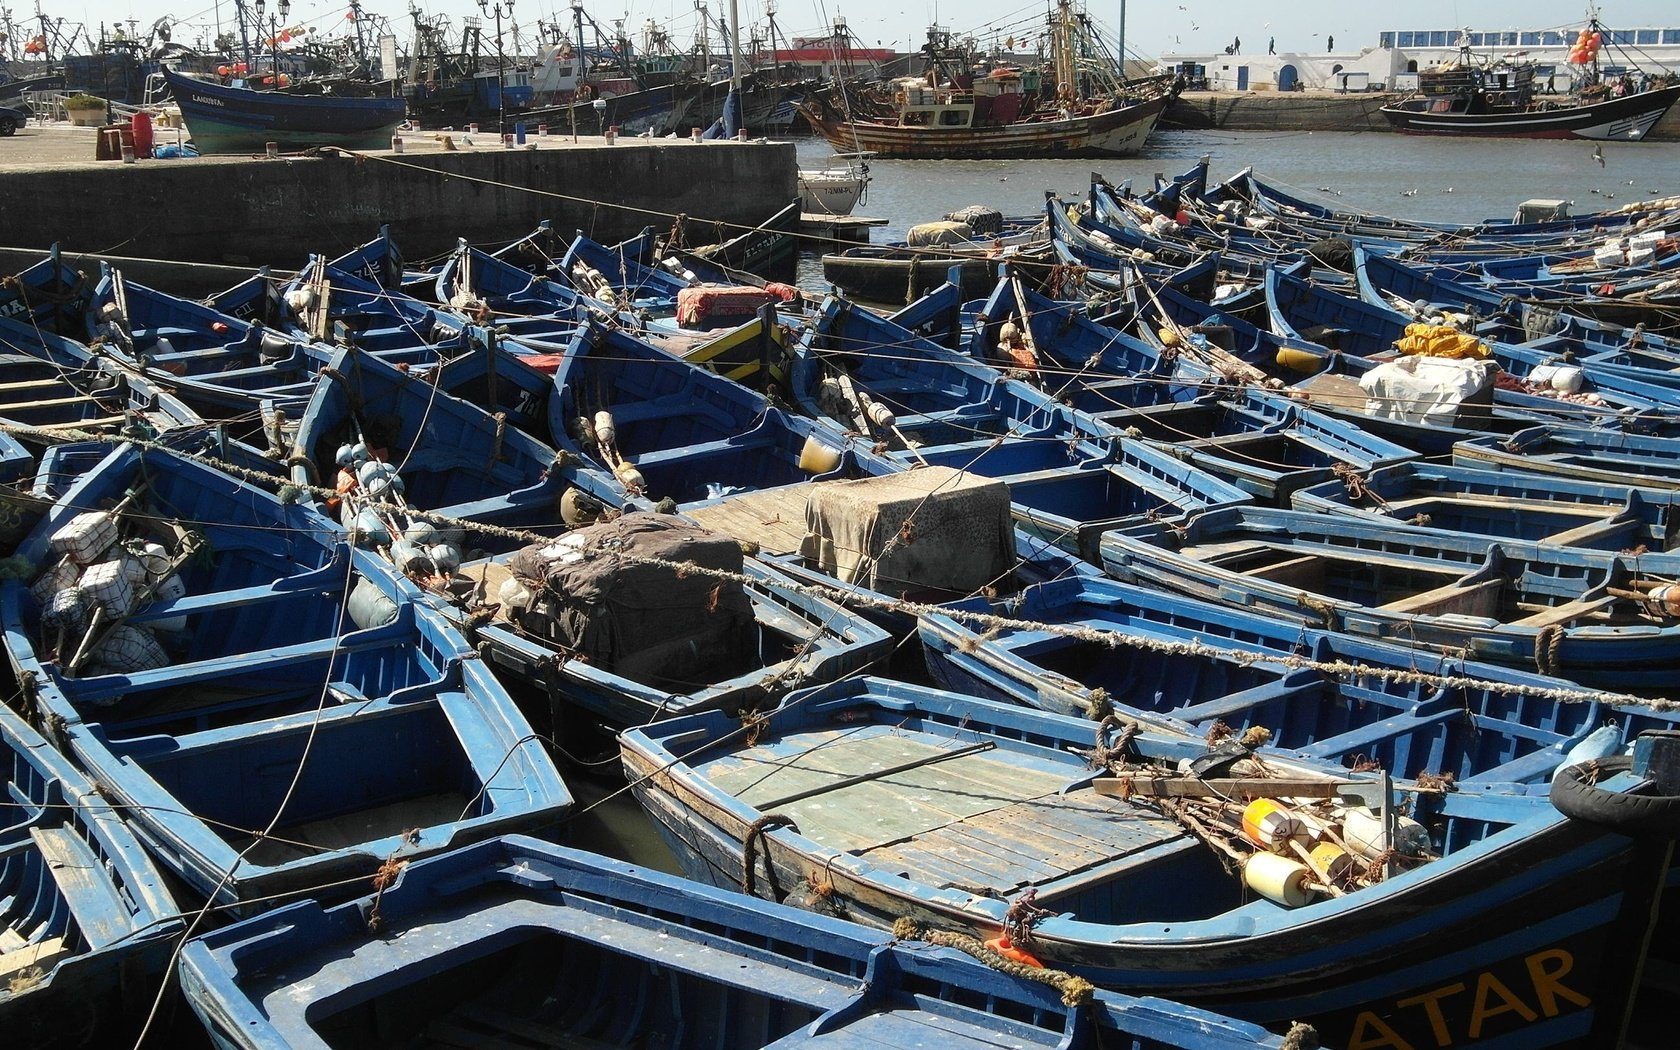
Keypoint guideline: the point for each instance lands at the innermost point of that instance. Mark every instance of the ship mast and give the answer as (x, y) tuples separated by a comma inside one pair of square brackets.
[(1121, 40), (1062, 50)]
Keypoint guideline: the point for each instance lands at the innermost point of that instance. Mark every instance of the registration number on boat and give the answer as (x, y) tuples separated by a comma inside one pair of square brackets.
[(1476, 1006)]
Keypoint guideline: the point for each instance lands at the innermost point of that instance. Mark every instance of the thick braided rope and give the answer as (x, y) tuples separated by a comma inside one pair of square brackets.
[(1076, 991)]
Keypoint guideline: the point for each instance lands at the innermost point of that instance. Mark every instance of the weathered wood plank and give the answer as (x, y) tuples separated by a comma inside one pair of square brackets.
[(44, 954), (774, 519), (1124, 784), (101, 914), (1003, 849)]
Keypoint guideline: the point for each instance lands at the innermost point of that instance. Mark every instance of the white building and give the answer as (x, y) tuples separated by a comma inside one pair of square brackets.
[(1402, 52)]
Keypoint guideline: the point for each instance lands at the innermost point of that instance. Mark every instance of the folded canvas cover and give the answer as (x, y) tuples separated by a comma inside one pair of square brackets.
[(932, 527)]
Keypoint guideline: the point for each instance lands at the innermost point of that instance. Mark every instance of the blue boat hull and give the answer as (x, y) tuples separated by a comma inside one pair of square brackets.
[(1541, 912), (72, 875), (521, 943), (236, 120)]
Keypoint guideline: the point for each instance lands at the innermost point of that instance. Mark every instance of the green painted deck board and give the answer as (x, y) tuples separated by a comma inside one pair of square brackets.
[(984, 822), (1033, 842), (871, 813)]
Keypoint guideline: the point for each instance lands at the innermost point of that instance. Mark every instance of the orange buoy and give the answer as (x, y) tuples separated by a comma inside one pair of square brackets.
[(1266, 823), (1006, 948)]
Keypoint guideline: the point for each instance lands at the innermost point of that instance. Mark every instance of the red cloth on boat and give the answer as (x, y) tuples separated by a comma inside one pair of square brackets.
[(696, 306)]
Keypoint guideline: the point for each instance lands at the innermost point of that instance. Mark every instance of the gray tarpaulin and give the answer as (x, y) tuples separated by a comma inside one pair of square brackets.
[(932, 527)]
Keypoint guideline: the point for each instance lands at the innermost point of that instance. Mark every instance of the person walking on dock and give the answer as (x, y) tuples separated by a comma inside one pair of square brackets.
[(1271, 45), (1236, 45), (1330, 43)]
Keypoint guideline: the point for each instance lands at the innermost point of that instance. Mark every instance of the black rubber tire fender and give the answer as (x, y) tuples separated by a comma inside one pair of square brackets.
[(1576, 794)]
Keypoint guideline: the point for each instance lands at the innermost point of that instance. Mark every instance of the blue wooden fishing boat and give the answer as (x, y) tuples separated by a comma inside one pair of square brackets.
[(519, 942), (539, 314), (478, 281), (669, 429), (87, 924), (222, 119), (1117, 255), (628, 643), (890, 802), (294, 717), (1584, 614), (1262, 442), (381, 262), (225, 368), (453, 457), (1213, 345), (769, 249), (1366, 330), (1517, 318), (1606, 457), (614, 275), (50, 295), (333, 305), (618, 280), (1108, 210), (1070, 476), (1273, 199), (57, 385), (1093, 647), (1504, 505)]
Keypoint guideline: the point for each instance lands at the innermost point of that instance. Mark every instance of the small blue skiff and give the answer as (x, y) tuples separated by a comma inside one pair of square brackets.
[(518, 943)]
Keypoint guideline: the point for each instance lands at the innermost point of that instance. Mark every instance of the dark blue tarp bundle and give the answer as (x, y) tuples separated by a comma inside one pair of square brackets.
[(727, 125)]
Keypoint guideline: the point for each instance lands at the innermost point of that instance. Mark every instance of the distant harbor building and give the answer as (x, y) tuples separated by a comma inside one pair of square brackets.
[(835, 57), (1393, 63)]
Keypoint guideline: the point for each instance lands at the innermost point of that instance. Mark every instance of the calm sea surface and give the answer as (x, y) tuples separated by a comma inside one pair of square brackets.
[(1408, 176)]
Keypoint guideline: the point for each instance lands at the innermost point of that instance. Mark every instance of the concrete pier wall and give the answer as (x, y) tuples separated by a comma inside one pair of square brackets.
[(1279, 111), (257, 210)]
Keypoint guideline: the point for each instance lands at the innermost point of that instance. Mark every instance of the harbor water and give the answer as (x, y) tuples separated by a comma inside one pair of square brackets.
[(1406, 176)]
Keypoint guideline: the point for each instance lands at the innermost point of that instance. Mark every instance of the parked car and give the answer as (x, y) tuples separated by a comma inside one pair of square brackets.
[(13, 117)]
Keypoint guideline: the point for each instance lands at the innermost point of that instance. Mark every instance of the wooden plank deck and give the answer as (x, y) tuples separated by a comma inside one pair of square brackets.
[(774, 519), (982, 821)]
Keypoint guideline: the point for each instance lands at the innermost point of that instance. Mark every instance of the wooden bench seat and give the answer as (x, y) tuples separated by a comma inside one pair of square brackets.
[(1464, 599)]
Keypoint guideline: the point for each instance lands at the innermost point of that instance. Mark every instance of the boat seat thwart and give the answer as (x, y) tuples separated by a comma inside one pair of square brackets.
[(1566, 613), (101, 914), (1480, 598)]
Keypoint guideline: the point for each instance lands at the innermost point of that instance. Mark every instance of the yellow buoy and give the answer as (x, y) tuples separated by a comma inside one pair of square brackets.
[(1337, 862), (1278, 879), (818, 458), (1298, 360)]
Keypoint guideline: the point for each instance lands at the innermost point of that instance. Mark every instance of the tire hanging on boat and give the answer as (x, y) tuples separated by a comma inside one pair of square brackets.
[(1576, 794)]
